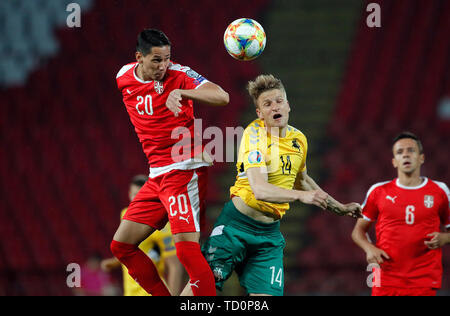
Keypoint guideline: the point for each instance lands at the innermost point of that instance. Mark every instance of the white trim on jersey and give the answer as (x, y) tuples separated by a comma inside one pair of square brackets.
[(424, 183), (185, 69), (373, 187), (178, 67), (124, 69), (194, 197), (202, 83), (444, 187), (182, 165)]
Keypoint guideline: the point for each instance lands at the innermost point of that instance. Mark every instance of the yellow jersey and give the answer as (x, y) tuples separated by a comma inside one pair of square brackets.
[(157, 246), (284, 158)]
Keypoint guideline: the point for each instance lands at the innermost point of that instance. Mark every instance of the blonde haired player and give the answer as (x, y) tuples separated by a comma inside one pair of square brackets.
[(271, 174), (159, 246)]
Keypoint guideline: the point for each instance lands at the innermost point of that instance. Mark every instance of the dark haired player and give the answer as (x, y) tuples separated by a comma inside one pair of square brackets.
[(158, 95), (408, 212)]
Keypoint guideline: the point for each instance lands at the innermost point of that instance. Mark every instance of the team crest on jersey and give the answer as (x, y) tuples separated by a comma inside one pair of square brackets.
[(159, 87), (296, 145), (428, 201)]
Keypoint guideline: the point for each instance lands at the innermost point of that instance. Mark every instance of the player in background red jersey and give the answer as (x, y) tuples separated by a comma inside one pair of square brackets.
[(408, 212), (158, 95)]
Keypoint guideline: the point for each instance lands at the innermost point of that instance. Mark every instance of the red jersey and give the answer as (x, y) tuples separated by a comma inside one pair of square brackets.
[(159, 131), (404, 217)]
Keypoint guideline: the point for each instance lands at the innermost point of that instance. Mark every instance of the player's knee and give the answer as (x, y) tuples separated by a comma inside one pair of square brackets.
[(114, 249), (121, 250)]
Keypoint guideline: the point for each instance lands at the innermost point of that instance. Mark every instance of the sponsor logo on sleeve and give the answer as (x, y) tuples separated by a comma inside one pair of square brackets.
[(192, 74), (199, 80), (195, 75), (254, 157)]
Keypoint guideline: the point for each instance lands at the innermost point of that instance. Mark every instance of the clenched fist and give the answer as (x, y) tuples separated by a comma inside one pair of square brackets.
[(173, 101)]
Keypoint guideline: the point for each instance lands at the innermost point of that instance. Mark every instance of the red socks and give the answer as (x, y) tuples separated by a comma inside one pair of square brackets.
[(140, 267), (202, 279)]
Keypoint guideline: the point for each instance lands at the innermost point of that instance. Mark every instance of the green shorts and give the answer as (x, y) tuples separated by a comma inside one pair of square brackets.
[(251, 248)]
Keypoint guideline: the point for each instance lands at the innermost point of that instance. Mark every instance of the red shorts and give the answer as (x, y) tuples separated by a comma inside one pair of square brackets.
[(397, 291), (177, 196)]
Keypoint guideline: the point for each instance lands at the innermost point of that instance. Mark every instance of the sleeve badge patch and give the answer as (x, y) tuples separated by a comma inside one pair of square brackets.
[(254, 157), (192, 74)]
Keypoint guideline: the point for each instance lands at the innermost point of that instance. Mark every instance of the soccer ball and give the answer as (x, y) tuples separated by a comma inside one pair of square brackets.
[(244, 39)]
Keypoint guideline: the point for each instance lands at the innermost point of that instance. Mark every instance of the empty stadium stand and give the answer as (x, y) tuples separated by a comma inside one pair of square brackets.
[(68, 148), (395, 78)]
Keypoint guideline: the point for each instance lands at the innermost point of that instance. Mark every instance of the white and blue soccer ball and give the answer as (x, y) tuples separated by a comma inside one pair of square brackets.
[(244, 39)]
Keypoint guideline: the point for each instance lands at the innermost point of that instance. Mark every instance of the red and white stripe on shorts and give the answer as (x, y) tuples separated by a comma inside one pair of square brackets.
[(177, 196)]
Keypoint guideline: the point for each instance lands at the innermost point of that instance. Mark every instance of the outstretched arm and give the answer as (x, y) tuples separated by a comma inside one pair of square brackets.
[(265, 191), (305, 182), (208, 93)]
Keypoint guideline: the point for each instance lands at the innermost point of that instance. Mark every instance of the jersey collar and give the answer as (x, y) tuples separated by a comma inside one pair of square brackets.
[(424, 183)]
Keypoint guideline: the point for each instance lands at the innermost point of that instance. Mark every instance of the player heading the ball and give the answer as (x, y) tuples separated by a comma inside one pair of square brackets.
[(159, 96)]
